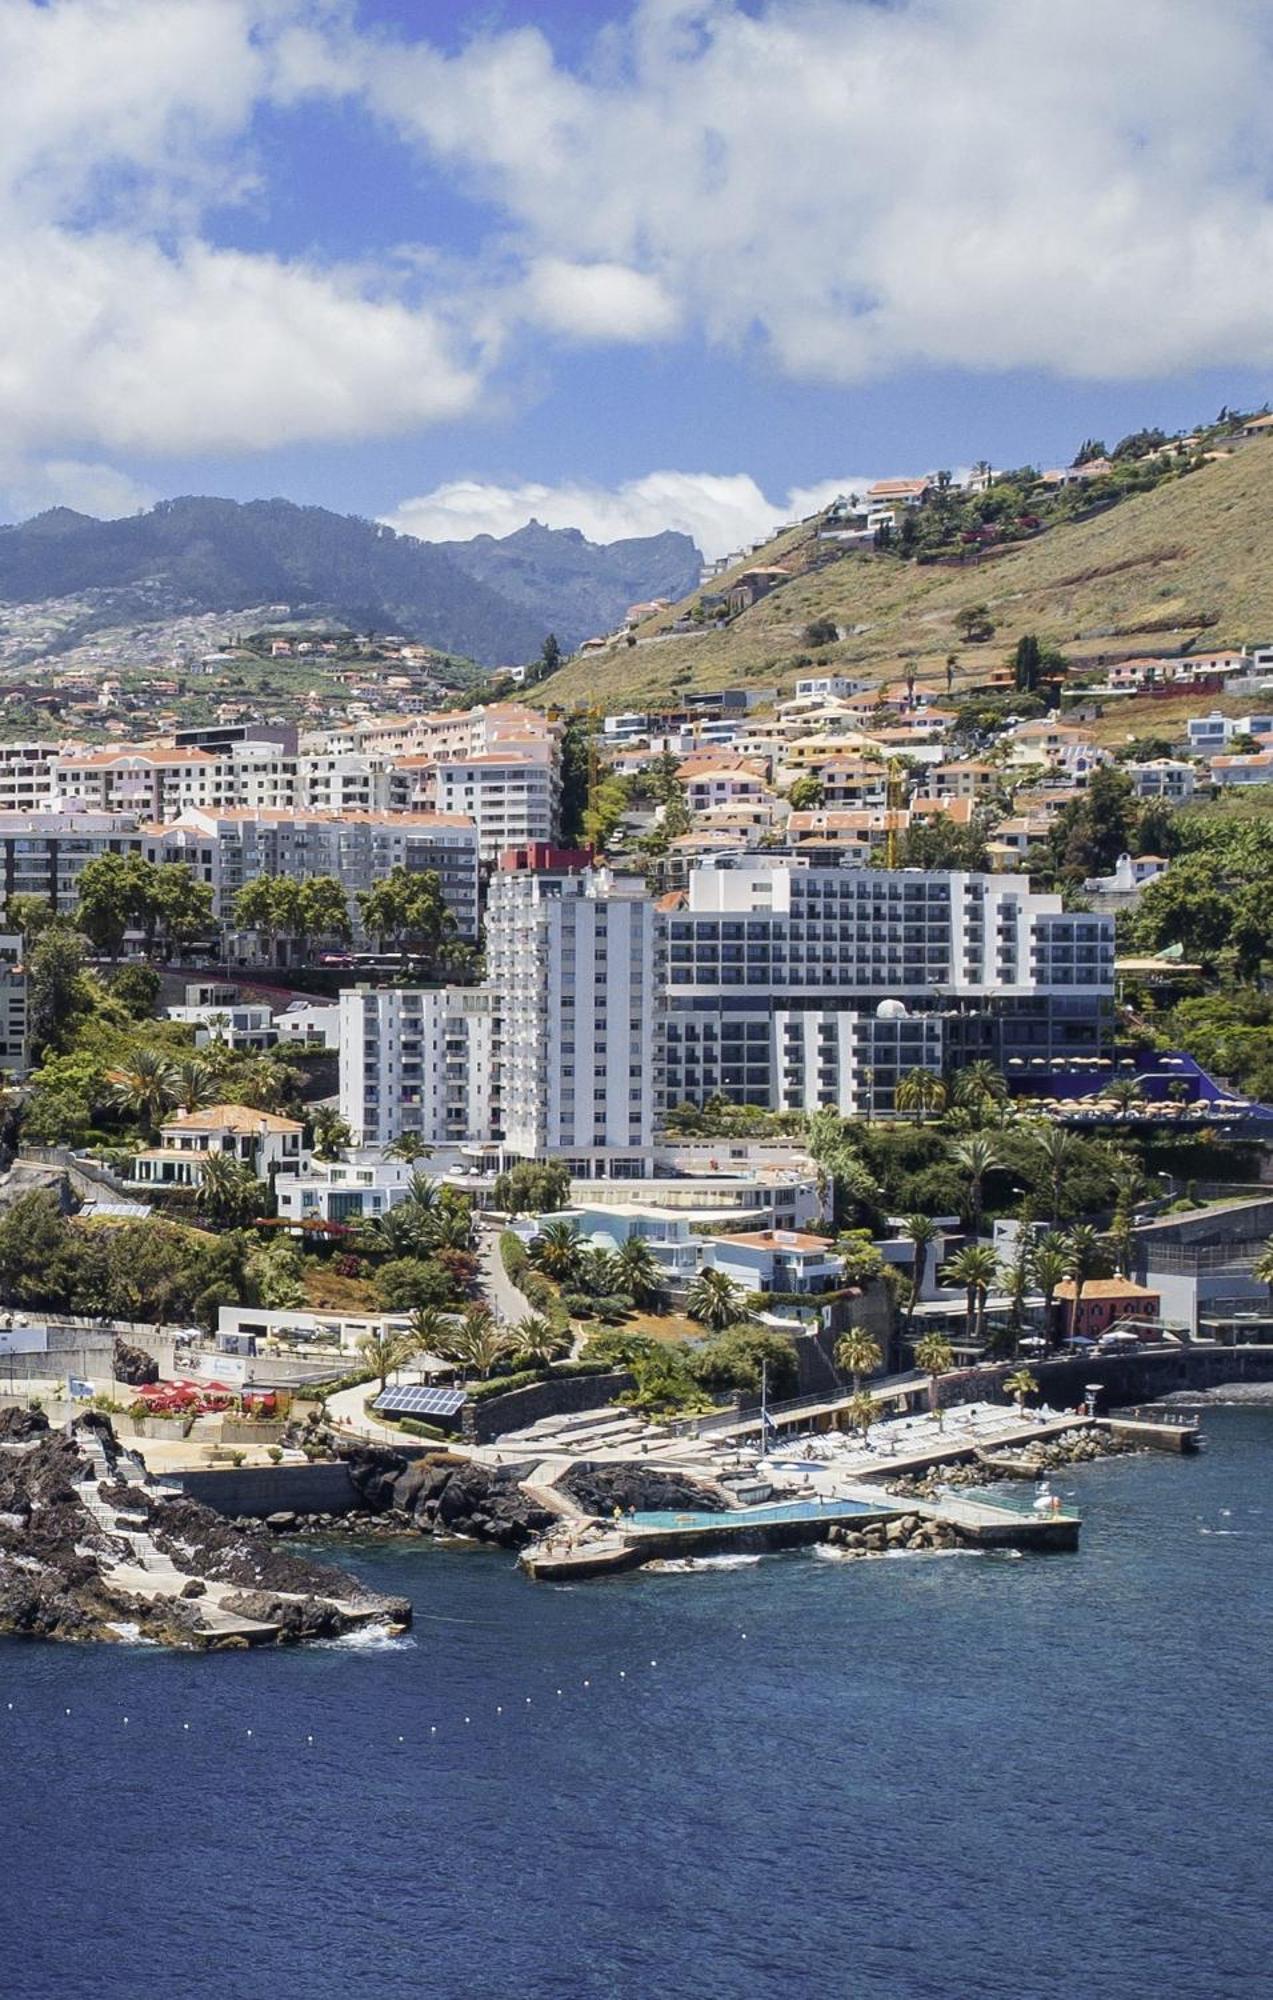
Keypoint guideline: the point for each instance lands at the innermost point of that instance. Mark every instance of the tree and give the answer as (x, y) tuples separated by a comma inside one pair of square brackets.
[(919, 1231), (556, 1251), (938, 843), (229, 1191), (324, 909), (935, 1356), (639, 1272), (549, 656), (742, 1357), (384, 1352), (56, 987), (107, 901), (1185, 906), (920, 1091), (1125, 1093), (146, 1086), (175, 904), (1056, 1150), (1026, 664), (538, 1343), (714, 1298), (975, 1157), (1047, 1269), (981, 1086), (576, 745), (479, 1343), (858, 1355), (1019, 1385), (807, 793), (1262, 1269), (1084, 1259), (137, 987), (331, 1132), (192, 1085), (975, 1268), (30, 916), (974, 624), (531, 1188), (821, 632), (408, 1146), (406, 909), (861, 1411)]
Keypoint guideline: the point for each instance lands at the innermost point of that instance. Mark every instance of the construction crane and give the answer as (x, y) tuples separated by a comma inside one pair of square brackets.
[(894, 806)]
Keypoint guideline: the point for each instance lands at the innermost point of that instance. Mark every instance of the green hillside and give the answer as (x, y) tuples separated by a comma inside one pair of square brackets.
[(1188, 561)]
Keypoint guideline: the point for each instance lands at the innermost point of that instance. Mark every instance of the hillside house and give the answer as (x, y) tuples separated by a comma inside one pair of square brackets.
[(188, 1139)]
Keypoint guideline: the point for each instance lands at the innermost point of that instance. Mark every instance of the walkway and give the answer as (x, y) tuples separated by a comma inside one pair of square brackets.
[(502, 1295)]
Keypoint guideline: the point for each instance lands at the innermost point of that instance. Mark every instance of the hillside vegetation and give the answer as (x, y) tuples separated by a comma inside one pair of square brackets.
[(1185, 563)]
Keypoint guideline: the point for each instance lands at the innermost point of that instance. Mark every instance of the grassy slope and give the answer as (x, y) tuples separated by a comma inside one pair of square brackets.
[(1147, 574)]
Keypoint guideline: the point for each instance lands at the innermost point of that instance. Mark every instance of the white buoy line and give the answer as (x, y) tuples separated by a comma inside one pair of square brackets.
[(587, 1684)]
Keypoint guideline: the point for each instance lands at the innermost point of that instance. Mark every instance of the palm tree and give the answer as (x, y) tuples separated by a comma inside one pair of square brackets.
[(919, 1232), (385, 1351), (861, 1411), (1047, 1269), (331, 1132), (639, 1272), (920, 1091), (1262, 1269), (1056, 1150), (981, 1086), (858, 1355), (1126, 1092), (975, 1157), (555, 1251), (599, 1274), (975, 1268), (1084, 1256), (443, 1229), (1020, 1385), (192, 1085), (480, 1343), (229, 1191), (715, 1299), (430, 1329), (423, 1194), (935, 1356), (538, 1342), (146, 1087), (408, 1146)]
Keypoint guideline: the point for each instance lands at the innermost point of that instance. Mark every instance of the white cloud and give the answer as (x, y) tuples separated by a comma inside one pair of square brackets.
[(987, 184), (721, 511), (598, 302), (101, 490), (122, 327)]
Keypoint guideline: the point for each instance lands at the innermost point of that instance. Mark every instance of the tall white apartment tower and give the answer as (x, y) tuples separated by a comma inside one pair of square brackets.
[(571, 963)]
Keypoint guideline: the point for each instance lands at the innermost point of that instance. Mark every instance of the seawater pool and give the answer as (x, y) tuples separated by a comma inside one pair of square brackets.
[(760, 1517)]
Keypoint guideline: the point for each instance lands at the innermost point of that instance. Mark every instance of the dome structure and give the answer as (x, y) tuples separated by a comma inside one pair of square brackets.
[(892, 1010)]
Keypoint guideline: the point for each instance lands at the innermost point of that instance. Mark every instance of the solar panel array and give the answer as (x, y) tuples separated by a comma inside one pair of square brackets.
[(414, 1400)]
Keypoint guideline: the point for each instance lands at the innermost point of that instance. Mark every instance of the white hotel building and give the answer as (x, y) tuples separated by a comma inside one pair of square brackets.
[(794, 987), (417, 1059), (571, 953)]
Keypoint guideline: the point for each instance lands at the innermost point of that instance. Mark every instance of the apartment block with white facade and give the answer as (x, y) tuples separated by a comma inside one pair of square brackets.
[(513, 795), (794, 987), (571, 953), (418, 1060), (43, 853), (236, 845)]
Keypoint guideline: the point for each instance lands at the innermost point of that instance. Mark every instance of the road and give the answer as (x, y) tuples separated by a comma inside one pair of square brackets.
[(501, 1294)]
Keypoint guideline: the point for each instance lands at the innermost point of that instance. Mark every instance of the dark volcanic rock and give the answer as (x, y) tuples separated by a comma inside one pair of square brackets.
[(488, 1504), (600, 1489), (18, 1425), (134, 1366), (78, 1518)]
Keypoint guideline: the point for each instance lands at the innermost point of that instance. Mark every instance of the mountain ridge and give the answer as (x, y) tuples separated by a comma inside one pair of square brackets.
[(198, 553)]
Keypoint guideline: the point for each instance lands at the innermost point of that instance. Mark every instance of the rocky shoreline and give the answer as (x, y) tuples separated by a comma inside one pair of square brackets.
[(1029, 1461), (91, 1548)]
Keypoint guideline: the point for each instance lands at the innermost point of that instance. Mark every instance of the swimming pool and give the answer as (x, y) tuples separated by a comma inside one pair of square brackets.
[(756, 1517)]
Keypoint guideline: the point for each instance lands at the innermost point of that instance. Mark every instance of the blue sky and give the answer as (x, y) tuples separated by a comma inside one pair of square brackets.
[(679, 263)]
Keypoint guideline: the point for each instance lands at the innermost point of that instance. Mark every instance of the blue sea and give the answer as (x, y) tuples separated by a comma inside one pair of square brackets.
[(947, 1776)]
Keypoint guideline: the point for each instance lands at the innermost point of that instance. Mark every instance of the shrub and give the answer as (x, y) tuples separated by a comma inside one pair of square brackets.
[(513, 1256), (430, 1431)]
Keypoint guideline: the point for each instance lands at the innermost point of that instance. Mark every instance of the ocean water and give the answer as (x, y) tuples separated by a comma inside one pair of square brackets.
[(1040, 1778)]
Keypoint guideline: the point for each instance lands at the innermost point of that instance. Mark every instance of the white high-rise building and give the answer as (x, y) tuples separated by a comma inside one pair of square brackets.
[(572, 965), (416, 1059), (792, 987)]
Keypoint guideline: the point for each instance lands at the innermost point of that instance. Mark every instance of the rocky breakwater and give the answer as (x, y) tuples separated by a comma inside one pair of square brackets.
[(92, 1548), (1027, 1461), (440, 1493), (904, 1534)]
